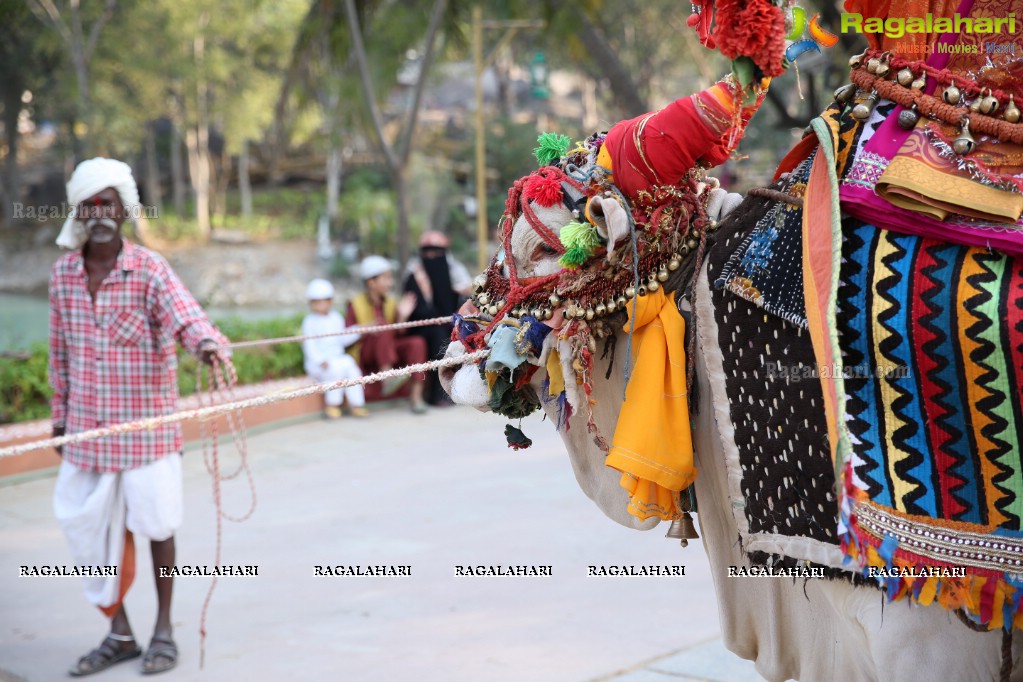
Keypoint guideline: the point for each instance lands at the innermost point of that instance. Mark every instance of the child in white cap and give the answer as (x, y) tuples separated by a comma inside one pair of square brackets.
[(325, 357)]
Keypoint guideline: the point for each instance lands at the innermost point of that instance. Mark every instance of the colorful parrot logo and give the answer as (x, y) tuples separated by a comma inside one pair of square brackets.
[(818, 36)]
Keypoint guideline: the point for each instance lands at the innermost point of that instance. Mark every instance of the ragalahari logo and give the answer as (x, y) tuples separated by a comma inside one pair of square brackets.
[(818, 36)]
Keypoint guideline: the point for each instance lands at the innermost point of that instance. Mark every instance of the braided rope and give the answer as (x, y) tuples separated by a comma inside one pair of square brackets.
[(203, 413), (348, 330), (932, 107)]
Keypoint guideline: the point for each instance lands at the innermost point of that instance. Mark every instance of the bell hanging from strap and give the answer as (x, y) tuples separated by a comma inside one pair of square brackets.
[(683, 529), (965, 143)]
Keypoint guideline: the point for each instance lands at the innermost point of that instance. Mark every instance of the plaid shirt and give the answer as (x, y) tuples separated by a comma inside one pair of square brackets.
[(113, 359)]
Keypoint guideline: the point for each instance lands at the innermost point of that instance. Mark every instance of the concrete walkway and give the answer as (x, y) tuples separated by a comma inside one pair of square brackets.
[(394, 489)]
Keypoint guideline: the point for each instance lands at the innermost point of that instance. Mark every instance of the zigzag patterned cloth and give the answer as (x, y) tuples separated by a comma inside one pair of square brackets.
[(932, 342)]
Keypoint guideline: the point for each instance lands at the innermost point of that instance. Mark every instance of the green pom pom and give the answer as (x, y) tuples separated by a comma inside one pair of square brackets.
[(574, 257), (552, 147), (580, 241), (581, 234)]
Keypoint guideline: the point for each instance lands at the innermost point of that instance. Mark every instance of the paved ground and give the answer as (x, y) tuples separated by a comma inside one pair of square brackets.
[(395, 489)]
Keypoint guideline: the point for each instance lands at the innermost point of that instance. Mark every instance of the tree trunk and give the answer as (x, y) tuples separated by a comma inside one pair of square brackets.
[(244, 181), (333, 180), (154, 193), (199, 171), (221, 183), (10, 193), (177, 172), (401, 195), (624, 90), (197, 138)]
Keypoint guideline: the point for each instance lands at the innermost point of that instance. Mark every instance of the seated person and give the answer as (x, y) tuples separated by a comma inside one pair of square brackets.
[(385, 350), (325, 357), (440, 284)]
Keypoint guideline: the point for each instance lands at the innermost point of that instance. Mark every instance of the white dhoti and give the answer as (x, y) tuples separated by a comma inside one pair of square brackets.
[(94, 509), (342, 367)]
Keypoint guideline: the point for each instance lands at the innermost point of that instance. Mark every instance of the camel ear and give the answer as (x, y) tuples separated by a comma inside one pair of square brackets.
[(610, 218)]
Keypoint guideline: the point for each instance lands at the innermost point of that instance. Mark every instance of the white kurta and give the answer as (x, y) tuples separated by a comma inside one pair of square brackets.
[(326, 359)]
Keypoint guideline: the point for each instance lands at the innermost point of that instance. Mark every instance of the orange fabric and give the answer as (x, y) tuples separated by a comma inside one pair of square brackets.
[(126, 573), (796, 155), (817, 271), (652, 444)]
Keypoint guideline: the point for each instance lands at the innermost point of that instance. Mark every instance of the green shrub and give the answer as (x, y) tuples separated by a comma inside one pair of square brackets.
[(24, 387), (25, 391)]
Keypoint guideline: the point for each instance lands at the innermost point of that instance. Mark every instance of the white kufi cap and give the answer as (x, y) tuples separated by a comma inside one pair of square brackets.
[(372, 266), (319, 289)]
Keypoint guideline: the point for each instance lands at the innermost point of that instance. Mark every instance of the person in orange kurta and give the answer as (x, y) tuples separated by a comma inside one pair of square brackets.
[(383, 351)]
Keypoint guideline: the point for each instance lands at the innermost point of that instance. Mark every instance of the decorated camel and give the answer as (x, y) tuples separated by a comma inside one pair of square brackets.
[(831, 375)]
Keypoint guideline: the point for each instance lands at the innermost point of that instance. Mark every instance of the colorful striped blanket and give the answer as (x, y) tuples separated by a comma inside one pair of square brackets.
[(932, 342)]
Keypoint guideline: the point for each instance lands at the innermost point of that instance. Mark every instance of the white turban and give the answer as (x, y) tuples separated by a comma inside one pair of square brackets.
[(90, 178)]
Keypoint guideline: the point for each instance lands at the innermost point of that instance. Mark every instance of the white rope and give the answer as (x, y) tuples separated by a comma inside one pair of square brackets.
[(348, 330), (204, 413)]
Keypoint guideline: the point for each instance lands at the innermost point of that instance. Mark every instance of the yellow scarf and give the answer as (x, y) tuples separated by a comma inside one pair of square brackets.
[(652, 445)]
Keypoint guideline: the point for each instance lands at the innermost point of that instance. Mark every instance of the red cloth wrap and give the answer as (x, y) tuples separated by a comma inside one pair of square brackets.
[(673, 140)]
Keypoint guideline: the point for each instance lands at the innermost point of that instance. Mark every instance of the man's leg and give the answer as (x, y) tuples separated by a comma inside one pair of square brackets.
[(411, 350), (153, 494), (90, 509), (164, 553)]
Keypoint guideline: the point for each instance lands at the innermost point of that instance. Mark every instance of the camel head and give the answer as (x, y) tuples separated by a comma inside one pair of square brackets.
[(601, 231)]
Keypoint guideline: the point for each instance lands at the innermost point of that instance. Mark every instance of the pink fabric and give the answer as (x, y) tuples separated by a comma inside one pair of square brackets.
[(863, 202)]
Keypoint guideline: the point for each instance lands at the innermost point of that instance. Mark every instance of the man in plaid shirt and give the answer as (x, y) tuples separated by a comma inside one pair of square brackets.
[(116, 312)]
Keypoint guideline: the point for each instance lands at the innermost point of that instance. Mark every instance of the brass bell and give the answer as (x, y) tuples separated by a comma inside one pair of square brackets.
[(952, 94), (620, 302), (653, 285), (905, 77), (662, 275), (692, 244), (920, 83), (975, 106), (908, 118), (683, 529), (872, 64), (675, 263), (882, 69), (1012, 114), (554, 299), (589, 313), (547, 313), (601, 309), (855, 61), (965, 143), (989, 105), (642, 290), (492, 310), (862, 111), (630, 291), (611, 305), (484, 299), (580, 313), (845, 93)]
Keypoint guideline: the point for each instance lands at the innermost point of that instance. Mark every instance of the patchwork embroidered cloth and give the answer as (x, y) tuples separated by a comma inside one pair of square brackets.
[(932, 338), (765, 269)]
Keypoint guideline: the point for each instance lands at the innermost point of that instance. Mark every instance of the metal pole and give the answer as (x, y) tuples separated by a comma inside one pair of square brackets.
[(481, 169)]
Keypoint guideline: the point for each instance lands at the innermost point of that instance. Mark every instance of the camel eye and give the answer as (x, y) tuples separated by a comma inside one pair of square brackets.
[(544, 250)]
